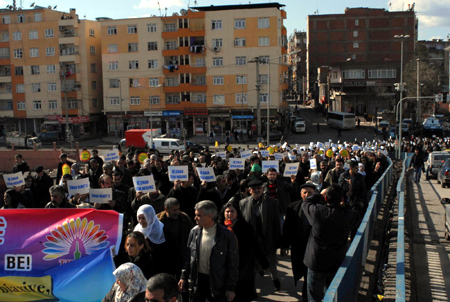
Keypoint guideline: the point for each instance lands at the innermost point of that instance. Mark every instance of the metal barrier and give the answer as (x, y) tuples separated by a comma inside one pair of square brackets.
[(352, 267)]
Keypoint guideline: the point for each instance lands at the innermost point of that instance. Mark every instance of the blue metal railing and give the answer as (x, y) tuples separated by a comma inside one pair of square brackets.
[(353, 265)]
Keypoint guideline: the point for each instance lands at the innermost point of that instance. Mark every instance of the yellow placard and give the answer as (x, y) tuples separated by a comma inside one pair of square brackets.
[(216, 144), (261, 145), (142, 156), (85, 156), (320, 152), (329, 153), (276, 148), (229, 148), (343, 153), (23, 289), (66, 169), (270, 149)]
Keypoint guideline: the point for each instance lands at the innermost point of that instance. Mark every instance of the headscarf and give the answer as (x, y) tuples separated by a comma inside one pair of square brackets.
[(132, 276), (154, 229), (315, 179)]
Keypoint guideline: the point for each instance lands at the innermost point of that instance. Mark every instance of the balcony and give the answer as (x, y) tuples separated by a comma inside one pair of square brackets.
[(68, 22), (6, 107)]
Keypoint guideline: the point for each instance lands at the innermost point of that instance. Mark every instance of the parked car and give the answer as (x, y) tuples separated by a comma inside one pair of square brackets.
[(434, 162), (443, 176), (50, 136), (383, 125), (299, 127), (195, 147)]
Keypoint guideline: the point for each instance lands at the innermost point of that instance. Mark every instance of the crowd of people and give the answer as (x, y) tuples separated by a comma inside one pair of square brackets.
[(242, 218)]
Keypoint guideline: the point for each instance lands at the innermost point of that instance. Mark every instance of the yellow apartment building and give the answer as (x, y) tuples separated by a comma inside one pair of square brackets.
[(201, 70), (50, 69)]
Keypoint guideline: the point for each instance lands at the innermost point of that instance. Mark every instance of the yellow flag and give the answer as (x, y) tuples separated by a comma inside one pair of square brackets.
[(229, 148), (142, 156), (216, 144), (65, 169), (85, 155)]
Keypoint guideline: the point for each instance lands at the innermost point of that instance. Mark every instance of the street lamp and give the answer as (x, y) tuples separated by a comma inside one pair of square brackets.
[(242, 107), (151, 111), (268, 89), (121, 107), (402, 38)]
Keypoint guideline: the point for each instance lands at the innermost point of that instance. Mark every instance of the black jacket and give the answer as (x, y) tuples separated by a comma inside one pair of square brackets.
[(42, 194), (21, 168)]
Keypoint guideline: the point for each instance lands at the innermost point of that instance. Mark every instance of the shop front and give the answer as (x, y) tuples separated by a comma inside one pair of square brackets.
[(173, 121), (242, 121), (220, 122), (153, 119), (196, 121), (275, 122)]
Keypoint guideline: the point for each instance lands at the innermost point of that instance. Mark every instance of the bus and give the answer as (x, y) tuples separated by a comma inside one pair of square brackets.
[(342, 120)]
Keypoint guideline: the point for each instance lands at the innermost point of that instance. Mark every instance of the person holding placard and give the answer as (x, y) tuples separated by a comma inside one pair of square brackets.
[(94, 173), (58, 198), (118, 202), (186, 194), (155, 199), (96, 157), (63, 161), (219, 194), (118, 182)]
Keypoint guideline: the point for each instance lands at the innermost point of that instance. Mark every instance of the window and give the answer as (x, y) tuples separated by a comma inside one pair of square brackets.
[(263, 79), (37, 17), (185, 78), (49, 33), (35, 69), (52, 104), (93, 68), (132, 29), (153, 82), (50, 51), (114, 83), (172, 81), (218, 80), (94, 85), (239, 97), (115, 101), (239, 42), (172, 99), (37, 105), (355, 33), (241, 79), (51, 86), (51, 68), (36, 87), (114, 65), (263, 23), (92, 50), (21, 106), (219, 99), (21, 18), (356, 22), (20, 88), (72, 104), (356, 45), (390, 73), (263, 98), (239, 23), (217, 42), (200, 62), (240, 61), (5, 37), (18, 53), (33, 35), (151, 28), (132, 47), (112, 48), (152, 63), (217, 61), (135, 100), (6, 19), (112, 30), (94, 103), (216, 24), (17, 36), (154, 100), (201, 99), (264, 60), (171, 45), (354, 74), (133, 64), (91, 32), (152, 45), (263, 41), (353, 56), (18, 70), (34, 52), (170, 27)]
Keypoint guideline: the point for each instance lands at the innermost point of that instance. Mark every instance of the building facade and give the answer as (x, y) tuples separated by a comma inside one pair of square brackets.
[(297, 62), (354, 58), (49, 70), (204, 69)]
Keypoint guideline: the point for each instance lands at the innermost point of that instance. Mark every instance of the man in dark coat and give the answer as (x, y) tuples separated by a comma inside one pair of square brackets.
[(186, 194), (42, 182), (21, 165), (63, 160), (418, 164)]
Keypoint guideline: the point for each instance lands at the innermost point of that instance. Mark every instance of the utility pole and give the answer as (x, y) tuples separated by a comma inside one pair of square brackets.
[(63, 74), (258, 101), (419, 106)]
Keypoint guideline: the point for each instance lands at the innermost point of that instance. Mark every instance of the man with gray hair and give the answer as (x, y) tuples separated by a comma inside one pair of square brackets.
[(213, 263), (161, 288), (58, 198)]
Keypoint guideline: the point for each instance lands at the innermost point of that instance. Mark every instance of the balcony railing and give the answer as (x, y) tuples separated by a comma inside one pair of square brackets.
[(171, 101), (68, 52)]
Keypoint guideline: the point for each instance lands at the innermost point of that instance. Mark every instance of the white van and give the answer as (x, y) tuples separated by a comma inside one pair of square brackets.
[(300, 127), (166, 145)]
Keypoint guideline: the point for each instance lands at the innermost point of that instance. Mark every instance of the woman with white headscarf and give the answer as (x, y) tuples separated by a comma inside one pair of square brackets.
[(130, 285), (163, 247)]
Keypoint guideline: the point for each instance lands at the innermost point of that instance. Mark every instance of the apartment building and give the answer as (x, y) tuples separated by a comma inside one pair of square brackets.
[(47, 59), (297, 63), (195, 70), (354, 58)]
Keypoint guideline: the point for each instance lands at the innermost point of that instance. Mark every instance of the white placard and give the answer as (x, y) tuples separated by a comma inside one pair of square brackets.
[(246, 154), (327, 144), (346, 166), (265, 153), (291, 169), (206, 174), (144, 184), (178, 173), (266, 164), (284, 145), (236, 164), (278, 156), (110, 155), (14, 180), (100, 195), (291, 156), (80, 186), (355, 147), (222, 155), (313, 164), (320, 145)]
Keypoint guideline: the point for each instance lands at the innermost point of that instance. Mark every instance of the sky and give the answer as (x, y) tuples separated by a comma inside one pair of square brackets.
[(432, 14)]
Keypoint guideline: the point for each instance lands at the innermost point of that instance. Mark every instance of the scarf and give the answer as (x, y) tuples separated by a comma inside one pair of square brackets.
[(154, 229), (132, 276)]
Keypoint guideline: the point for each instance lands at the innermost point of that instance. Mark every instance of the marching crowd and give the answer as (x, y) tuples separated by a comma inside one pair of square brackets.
[(215, 237)]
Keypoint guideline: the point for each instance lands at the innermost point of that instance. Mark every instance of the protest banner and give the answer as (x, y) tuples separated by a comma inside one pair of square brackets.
[(178, 173), (222, 154), (100, 195), (266, 164), (278, 156), (290, 169), (265, 153), (237, 164), (110, 155), (144, 184), (246, 154), (80, 186), (14, 180), (206, 174)]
